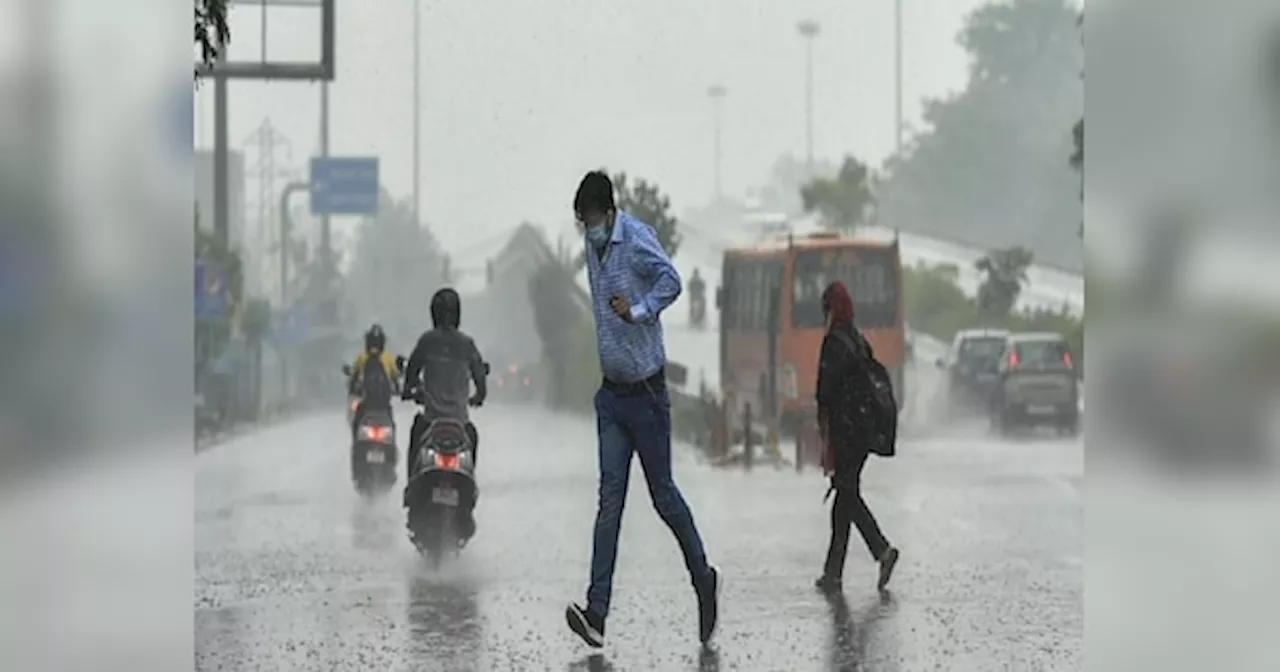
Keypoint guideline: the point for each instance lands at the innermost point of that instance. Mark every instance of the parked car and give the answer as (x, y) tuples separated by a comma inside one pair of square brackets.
[(971, 365), (1037, 384)]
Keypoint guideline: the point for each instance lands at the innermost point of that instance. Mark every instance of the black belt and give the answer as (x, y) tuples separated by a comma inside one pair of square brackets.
[(651, 385)]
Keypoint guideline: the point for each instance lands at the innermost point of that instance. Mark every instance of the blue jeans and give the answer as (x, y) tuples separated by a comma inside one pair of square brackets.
[(637, 424)]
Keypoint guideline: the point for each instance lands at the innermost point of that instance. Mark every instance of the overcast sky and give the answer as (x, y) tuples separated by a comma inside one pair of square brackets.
[(520, 98)]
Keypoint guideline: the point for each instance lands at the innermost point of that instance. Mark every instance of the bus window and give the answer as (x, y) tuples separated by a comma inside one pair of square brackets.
[(870, 273)]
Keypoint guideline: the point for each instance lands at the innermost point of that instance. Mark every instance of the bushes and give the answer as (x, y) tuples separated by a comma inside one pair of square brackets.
[(936, 305)]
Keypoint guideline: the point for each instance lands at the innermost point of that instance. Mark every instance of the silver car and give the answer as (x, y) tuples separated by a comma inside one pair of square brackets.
[(1038, 384)]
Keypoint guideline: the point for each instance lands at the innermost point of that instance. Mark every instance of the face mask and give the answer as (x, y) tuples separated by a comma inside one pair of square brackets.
[(598, 236)]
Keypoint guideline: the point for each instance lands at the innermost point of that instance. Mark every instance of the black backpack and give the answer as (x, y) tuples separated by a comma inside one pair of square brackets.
[(882, 412)]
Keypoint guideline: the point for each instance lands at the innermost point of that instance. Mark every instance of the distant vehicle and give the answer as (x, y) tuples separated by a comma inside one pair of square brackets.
[(972, 365), (771, 322), (515, 382), (1037, 384)]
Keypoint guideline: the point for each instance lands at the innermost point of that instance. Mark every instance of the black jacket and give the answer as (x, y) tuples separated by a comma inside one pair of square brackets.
[(843, 389)]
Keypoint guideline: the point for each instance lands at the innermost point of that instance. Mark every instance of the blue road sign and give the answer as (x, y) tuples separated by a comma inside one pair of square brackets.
[(211, 291), (344, 186)]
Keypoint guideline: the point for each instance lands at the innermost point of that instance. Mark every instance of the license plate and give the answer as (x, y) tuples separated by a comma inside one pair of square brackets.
[(375, 457), (445, 496), (1041, 410)]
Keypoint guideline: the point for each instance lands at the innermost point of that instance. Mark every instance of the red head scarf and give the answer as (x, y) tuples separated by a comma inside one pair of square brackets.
[(838, 303)]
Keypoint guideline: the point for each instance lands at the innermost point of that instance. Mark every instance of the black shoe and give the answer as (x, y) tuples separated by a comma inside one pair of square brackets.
[(887, 562), (709, 605), (829, 584), (586, 625)]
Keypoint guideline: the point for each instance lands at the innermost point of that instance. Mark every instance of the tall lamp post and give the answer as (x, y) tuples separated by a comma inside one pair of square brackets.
[(809, 29), (897, 76), (716, 93)]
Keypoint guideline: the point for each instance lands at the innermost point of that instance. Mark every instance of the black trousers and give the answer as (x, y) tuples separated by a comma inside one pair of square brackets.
[(850, 509)]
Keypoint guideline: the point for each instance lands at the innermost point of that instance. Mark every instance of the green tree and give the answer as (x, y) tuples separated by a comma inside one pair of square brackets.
[(1004, 275), (396, 266), (211, 31), (645, 201), (988, 169), (845, 200)]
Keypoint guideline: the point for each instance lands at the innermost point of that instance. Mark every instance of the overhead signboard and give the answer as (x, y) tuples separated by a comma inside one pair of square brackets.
[(344, 185)]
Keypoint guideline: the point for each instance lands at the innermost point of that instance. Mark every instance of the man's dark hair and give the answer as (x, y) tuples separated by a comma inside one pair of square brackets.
[(595, 194)]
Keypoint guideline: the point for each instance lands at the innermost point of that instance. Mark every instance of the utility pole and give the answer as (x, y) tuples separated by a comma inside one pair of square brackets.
[(897, 75), (717, 93), (809, 29)]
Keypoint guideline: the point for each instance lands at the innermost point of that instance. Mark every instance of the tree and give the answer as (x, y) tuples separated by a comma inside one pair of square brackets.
[(211, 31), (395, 267), (988, 169), (647, 203), (845, 200), (1005, 273)]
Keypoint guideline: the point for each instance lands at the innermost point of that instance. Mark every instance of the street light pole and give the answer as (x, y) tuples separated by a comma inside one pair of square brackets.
[(717, 93), (809, 29), (897, 75), (417, 111)]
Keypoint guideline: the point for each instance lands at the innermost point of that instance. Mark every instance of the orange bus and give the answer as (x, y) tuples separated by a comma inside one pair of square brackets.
[(771, 325)]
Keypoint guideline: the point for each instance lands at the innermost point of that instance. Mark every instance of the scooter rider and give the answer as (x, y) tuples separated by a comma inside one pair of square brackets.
[(697, 296), (374, 376), (440, 371)]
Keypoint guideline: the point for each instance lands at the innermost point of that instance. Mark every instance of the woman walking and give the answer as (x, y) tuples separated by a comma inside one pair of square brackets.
[(844, 388)]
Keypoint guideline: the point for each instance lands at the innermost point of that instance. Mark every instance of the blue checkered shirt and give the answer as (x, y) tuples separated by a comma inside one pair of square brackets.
[(636, 268)]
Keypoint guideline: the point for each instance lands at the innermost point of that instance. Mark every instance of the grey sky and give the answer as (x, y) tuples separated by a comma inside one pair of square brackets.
[(519, 98)]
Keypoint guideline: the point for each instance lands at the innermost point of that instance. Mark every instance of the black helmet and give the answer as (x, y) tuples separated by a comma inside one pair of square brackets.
[(446, 309), (375, 338)]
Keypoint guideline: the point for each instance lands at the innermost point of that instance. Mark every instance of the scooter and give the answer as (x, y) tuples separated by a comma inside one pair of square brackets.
[(374, 454), (441, 495)]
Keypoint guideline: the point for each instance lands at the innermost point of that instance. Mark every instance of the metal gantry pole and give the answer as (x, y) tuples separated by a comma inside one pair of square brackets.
[(324, 153)]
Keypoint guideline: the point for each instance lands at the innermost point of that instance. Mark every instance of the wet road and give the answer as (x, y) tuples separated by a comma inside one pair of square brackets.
[(294, 571)]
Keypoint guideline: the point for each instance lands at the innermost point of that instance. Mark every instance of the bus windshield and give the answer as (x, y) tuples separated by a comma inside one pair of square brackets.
[(870, 273)]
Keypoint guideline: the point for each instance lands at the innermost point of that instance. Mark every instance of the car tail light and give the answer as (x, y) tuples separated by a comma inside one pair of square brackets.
[(526, 381), (447, 461), (1013, 360), (1068, 360)]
